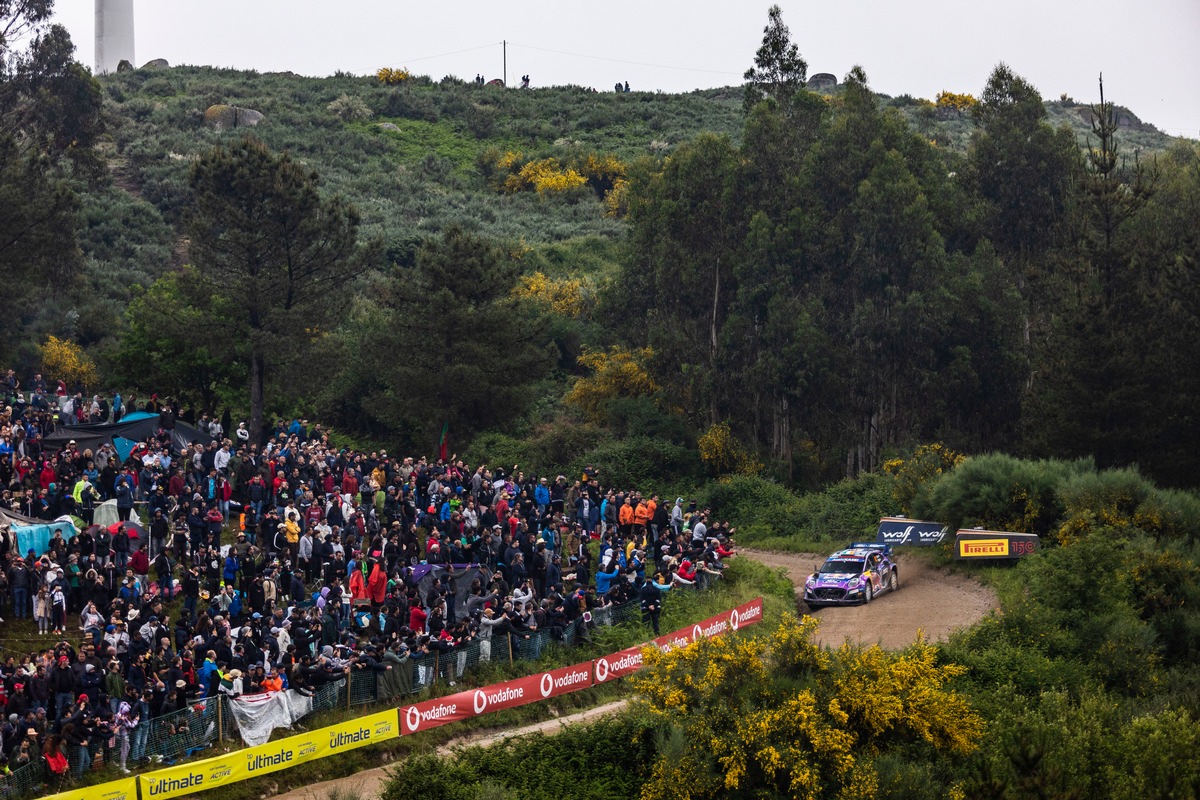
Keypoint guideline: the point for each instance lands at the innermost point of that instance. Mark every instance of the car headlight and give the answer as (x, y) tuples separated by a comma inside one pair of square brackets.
[(855, 589)]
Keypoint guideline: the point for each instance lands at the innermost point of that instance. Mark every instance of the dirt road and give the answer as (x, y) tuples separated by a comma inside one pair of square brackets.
[(370, 783), (932, 600)]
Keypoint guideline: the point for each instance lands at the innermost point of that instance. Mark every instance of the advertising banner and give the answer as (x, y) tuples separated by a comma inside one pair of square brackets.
[(977, 545), (618, 664), (124, 789), (745, 614), (898, 531), (496, 697), (198, 776)]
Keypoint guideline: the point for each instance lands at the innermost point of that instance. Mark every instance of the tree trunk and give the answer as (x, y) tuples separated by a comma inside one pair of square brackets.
[(712, 353), (257, 379)]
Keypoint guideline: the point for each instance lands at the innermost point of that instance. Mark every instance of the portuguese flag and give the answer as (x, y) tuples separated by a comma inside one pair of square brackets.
[(442, 441)]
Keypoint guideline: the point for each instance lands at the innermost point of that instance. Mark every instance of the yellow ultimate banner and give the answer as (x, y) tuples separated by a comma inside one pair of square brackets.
[(124, 789), (211, 773)]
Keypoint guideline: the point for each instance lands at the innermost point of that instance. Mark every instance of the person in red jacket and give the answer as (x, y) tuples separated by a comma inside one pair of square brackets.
[(139, 562), (417, 618), (349, 483)]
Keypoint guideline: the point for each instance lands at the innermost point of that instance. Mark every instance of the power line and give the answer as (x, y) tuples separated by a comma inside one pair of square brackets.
[(445, 55), (622, 61)]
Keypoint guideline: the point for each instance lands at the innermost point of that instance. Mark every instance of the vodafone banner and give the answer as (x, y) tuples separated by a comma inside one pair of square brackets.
[(544, 685), (497, 697), (615, 665), (743, 615)]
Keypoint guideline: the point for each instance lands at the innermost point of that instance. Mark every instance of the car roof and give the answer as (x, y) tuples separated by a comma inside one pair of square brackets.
[(850, 555)]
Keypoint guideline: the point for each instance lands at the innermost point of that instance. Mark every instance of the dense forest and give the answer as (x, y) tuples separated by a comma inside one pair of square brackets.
[(812, 278)]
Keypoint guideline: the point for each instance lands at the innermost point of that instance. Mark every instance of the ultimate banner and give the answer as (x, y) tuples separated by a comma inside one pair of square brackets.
[(124, 789), (198, 776)]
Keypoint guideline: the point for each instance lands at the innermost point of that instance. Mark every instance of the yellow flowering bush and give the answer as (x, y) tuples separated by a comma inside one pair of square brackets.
[(64, 360), (924, 467), (616, 202), (616, 372), (563, 297), (723, 454), (950, 101), (511, 172), (544, 176), (777, 716), (389, 76)]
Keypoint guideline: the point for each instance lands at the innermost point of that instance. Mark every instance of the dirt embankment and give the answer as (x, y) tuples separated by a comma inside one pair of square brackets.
[(370, 782), (930, 599)]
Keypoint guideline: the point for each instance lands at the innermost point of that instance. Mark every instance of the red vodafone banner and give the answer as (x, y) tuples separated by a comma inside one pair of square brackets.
[(497, 697), (565, 680), (618, 664), (745, 614), (626, 661), (544, 685)]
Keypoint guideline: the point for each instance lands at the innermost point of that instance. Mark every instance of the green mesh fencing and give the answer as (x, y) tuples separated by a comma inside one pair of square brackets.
[(25, 781), (363, 687), (182, 733)]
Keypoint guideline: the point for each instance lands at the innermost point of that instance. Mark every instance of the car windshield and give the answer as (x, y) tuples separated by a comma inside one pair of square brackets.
[(841, 567)]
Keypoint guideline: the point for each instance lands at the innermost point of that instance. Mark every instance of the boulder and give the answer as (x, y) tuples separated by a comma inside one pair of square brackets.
[(123, 65), (388, 126), (222, 117), (822, 81), (158, 63)]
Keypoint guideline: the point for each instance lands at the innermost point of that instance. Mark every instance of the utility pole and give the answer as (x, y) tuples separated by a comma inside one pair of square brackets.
[(505, 43)]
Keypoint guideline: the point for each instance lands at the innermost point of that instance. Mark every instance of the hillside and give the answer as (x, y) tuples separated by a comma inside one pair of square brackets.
[(408, 156)]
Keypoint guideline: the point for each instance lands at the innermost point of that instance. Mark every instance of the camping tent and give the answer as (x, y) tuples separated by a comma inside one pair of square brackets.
[(124, 435), (106, 514), (34, 534)]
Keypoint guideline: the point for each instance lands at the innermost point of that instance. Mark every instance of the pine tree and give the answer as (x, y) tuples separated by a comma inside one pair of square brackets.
[(779, 72), (263, 238)]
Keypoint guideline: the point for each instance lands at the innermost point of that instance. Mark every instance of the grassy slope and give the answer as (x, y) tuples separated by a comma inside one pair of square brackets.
[(410, 168)]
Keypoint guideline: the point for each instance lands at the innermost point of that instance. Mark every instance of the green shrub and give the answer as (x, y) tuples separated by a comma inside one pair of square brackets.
[(640, 463), (406, 104), (1001, 492), (764, 509)]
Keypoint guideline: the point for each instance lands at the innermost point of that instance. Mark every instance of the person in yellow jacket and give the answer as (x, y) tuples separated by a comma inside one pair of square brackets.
[(291, 530), (85, 496)]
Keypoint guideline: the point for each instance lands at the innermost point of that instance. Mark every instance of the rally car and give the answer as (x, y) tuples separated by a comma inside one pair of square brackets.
[(854, 575)]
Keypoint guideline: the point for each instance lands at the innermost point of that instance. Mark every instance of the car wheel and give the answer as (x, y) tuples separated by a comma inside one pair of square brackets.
[(894, 581), (868, 593)]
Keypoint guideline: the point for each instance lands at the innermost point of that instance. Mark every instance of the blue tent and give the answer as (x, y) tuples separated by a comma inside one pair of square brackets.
[(34, 534)]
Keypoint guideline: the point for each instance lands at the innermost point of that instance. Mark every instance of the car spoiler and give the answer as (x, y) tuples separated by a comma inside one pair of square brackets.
[(886, 549)]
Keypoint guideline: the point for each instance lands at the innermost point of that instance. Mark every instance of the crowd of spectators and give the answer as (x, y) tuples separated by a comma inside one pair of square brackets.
[(288, 564)]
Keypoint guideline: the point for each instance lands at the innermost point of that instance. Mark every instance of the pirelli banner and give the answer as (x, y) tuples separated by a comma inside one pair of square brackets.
[(211, 773), (977, 545)]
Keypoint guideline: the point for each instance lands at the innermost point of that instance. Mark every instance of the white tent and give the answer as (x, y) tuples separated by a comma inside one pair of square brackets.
[(106, 514)]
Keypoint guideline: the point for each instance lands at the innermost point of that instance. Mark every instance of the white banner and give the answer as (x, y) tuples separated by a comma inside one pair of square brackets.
[(259, 714)]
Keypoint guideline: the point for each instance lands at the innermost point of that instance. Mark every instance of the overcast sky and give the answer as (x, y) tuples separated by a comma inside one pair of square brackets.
[(1149, 51)]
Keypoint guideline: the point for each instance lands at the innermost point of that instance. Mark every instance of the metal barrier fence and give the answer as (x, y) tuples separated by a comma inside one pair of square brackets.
[(178, 735)]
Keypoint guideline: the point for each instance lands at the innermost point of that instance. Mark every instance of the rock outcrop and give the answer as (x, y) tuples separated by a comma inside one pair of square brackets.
[(223, 117)]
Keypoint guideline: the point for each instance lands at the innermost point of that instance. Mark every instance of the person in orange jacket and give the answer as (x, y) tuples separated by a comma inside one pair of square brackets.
[(641, 519), (625, 518)]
